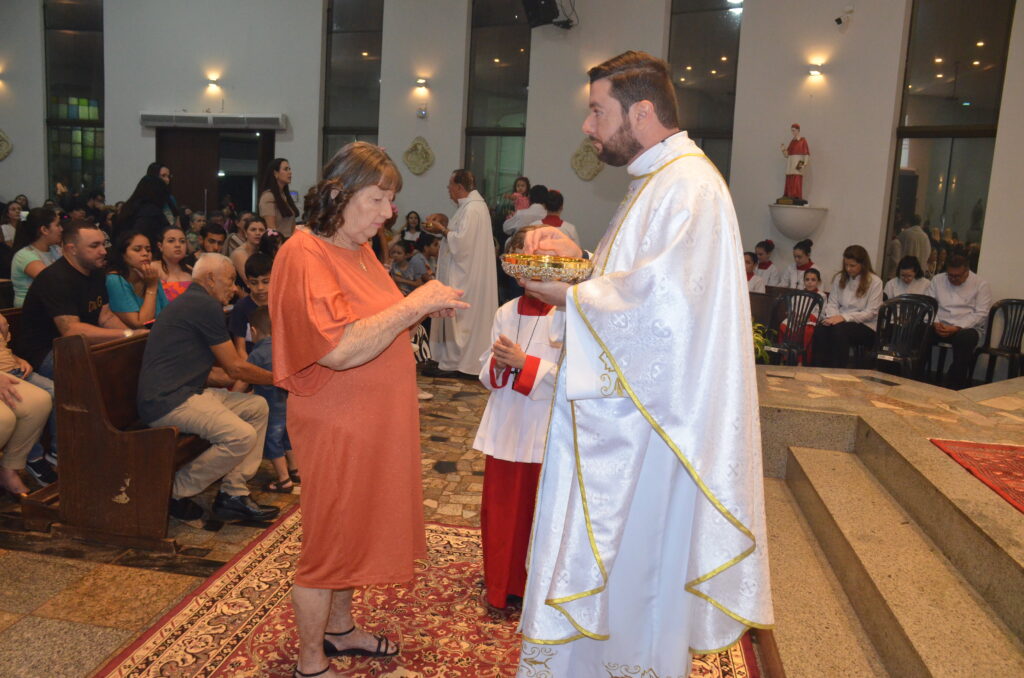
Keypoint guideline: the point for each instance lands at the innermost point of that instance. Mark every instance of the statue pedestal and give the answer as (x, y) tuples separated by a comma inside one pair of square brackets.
[(797, 221)]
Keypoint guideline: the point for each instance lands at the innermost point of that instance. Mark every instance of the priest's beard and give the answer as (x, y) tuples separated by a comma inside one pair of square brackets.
[(621, 147)]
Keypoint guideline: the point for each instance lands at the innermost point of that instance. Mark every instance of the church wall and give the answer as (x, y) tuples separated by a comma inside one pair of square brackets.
[(848, 117), (429, 40), (23, 100), (1002, 245), (157, 56), (559, 61)]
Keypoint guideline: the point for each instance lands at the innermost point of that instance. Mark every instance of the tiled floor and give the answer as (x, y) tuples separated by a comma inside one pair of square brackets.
[(66, 606)]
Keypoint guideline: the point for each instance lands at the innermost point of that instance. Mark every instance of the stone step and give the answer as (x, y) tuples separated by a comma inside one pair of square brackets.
[(816, 630), (922, 616)]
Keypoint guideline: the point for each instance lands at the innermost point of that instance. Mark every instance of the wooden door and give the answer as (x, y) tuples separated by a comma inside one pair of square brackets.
[(193, 157)]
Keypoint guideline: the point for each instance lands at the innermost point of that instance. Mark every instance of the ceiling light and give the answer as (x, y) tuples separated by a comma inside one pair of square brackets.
[(938, 60), (938, 75), (497, 60), (714, 72), (737, 10), (975, 63), (910, 87), (522, 49), (725, 58), (966, 103), (980, 43), (682, 79), (366, 54), (220, 173), (689, 68), (735, 2)]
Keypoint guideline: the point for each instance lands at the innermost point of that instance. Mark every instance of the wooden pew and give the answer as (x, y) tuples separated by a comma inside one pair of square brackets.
[(115, 473)]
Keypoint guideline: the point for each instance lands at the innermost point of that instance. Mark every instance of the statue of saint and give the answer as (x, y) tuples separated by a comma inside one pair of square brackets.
[(797, 155)]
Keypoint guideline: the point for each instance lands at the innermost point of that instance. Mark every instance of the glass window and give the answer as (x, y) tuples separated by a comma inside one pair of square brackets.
[(74, 82), (956, 58), (704, 43), (499, 74), (352, 101)]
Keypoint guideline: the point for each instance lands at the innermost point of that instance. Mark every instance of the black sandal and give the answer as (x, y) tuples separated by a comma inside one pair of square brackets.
[(311, 675), (383, 647), (293, 474), (280, 486)]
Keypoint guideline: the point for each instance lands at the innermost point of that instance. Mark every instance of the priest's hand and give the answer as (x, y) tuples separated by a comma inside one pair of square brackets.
[(508, 353), (551, 240), (549, 292)]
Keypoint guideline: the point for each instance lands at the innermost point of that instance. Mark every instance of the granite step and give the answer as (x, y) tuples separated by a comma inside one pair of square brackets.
[(816, 630), (922, 616)]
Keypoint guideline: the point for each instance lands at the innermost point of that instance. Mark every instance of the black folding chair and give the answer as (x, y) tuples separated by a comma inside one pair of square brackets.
[(902, 333), (1009, 347), (795, 307)]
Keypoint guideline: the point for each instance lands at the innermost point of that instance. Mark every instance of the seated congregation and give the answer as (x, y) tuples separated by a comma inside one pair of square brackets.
[(862, 322)]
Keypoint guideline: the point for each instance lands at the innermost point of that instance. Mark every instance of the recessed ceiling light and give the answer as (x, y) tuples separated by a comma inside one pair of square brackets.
[(910, 87), (966, 103), (714, 72), (725, 58), (980, 43), (938, 60), (682, 79), (497, 60), (975, 63), (938, 75), (689, 68), (366, 54), (522, 49)]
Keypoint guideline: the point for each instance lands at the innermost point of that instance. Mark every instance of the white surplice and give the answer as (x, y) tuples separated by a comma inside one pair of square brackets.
[(649, 538), (466, 261), (514, 423)]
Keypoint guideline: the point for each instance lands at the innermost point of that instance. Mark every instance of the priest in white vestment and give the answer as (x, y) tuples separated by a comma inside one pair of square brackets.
[(466, 261), (649, 540)]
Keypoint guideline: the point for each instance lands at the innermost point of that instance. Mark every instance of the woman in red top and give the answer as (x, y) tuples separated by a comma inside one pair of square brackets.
[(341, 349)]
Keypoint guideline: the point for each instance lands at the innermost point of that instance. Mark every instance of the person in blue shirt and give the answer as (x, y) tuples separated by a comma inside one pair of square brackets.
[(133, 283), (277, 447)]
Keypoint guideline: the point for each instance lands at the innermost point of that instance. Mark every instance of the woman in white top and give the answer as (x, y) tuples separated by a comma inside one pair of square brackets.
[(36, 246), (772, 274), (276, 205), (851, 311), (794, 277), (755, 283), (910, 280)]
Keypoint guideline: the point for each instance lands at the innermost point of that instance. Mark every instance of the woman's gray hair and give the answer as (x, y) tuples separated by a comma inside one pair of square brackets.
[(210, 263)]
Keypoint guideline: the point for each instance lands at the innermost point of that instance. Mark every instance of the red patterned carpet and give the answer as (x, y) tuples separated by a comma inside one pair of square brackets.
[(1001, 467), (240, 623)]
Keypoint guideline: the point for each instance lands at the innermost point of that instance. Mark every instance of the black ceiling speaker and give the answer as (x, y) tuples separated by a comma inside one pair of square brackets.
[(540, 12)]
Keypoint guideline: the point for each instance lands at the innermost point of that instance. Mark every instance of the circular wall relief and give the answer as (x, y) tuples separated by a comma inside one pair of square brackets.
[(584, 161), (418, 157), (5, 145)]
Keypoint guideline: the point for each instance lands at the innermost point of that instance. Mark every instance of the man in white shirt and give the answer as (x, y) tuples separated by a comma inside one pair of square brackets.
[(532, 214), (964, 301), (914, 242)]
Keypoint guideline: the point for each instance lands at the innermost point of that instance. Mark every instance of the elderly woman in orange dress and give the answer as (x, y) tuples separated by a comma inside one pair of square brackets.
[(341, 348)]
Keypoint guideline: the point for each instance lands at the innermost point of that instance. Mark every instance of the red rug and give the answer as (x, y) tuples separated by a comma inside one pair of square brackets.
[(240, 623), (1001, 467)]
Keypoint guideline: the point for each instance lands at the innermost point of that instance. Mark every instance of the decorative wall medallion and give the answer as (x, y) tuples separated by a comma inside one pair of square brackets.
[(5, 145), (418, 157), (584, 161)]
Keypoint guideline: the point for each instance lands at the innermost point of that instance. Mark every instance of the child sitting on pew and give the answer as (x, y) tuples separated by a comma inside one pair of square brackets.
[(277, 448), (519, 369)]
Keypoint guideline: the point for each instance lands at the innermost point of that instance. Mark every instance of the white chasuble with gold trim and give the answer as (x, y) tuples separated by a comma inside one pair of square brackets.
[(649, 538)]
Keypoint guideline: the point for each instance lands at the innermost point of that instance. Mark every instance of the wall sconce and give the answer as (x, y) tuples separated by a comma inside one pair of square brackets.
[(815, 72), (422, 83), (213, 81)]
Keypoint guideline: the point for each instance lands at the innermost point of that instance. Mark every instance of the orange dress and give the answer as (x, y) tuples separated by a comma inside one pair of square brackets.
[(354, 432)]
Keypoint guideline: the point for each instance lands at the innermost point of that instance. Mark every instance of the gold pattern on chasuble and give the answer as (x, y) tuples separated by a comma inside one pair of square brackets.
[(611, 383)]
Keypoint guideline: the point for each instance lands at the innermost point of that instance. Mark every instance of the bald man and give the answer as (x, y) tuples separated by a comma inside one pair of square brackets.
[(189, 337)]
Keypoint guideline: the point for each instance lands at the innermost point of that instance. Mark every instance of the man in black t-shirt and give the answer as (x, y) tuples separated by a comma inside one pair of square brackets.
[(188, 339), (69, 297)]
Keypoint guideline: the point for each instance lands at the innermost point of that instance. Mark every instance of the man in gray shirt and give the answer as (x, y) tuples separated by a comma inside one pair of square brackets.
[(188, 339)]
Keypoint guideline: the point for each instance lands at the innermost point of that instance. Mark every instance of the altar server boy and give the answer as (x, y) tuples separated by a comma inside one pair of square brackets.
[(519, 370)]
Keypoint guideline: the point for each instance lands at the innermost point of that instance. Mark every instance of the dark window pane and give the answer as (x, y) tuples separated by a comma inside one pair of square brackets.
[(951, 78), (74, 15), (495, 161), (499, 70), (353, 73), (357, 15), (703, 48)]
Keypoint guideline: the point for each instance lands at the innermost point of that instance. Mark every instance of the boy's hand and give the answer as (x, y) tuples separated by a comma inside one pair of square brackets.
[(507, 353)]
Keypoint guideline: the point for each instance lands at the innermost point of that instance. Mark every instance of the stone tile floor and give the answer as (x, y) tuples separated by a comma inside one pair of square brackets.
[(67, 606)]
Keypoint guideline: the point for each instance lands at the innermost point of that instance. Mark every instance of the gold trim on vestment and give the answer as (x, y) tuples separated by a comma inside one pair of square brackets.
[(647, 179), (689, 586)]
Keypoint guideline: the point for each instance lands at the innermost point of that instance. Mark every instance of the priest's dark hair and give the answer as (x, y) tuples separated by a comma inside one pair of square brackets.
[(638, 76), (356, 166), (464, 178)]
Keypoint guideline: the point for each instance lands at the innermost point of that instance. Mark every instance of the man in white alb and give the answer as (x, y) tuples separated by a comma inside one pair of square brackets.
[(649, 535), (466, 261)]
